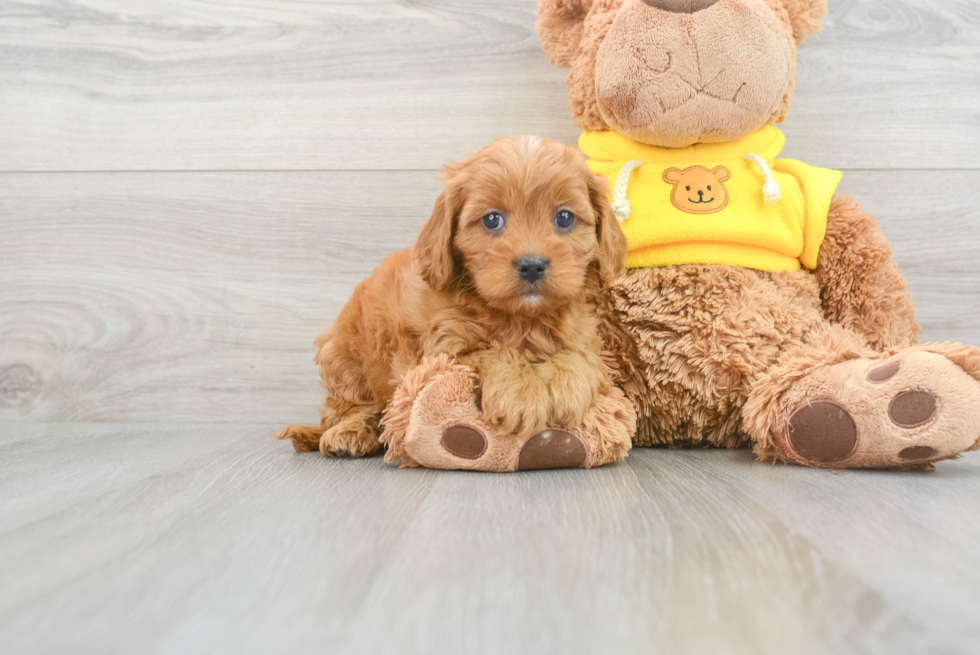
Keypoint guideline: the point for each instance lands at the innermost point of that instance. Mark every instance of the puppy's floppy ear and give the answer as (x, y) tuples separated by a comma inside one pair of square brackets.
[(434, 249), (612, 241), (560, 24), (804, 16)]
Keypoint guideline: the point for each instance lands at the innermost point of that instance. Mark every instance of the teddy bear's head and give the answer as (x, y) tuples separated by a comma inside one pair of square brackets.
[(673, 73)]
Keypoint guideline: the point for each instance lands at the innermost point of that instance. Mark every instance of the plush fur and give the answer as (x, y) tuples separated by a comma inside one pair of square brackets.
[(726, 356), (458, 294)]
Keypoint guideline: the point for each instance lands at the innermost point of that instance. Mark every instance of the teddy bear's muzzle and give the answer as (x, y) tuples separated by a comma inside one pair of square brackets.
[(671, 73), (681, 6)]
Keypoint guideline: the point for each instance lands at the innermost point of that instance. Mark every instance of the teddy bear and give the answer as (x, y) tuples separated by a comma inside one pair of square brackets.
[(759, 308)]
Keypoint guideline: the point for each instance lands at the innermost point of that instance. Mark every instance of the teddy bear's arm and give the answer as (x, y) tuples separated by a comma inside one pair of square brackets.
[(861, 286)]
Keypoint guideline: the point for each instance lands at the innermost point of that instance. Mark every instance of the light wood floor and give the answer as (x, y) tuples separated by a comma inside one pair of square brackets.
[(188, 193)]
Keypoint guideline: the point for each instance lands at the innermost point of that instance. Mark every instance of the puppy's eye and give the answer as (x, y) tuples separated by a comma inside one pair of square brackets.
[(493, 221), (564, 220)]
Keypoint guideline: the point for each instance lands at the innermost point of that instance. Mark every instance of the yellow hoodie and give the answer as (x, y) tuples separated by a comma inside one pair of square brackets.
[(711, 204)]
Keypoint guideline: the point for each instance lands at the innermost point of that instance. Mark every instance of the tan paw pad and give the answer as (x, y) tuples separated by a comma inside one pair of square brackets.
[(916, 407)]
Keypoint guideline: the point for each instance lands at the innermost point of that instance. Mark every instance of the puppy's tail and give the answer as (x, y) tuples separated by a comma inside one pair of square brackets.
[(306, 438)]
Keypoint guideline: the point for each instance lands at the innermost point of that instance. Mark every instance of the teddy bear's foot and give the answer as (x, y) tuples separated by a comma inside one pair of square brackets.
[(547, 449), (435, 422), (918, 407)]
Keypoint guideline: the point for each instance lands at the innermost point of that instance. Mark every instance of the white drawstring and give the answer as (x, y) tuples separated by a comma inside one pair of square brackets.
[(770, 190), (621, 206)]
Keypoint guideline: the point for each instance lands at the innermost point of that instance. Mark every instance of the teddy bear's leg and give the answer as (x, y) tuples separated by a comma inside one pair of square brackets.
[(837, 403), (435, 421), (861, 285)]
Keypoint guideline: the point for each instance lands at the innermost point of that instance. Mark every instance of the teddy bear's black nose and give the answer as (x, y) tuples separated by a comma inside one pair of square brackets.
[(700, 194)]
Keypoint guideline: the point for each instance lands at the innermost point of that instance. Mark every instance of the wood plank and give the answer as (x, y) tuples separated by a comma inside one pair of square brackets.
[(915, 513), (371, 84), (113, 542), (196, 297), (930, 220), (181, 291)]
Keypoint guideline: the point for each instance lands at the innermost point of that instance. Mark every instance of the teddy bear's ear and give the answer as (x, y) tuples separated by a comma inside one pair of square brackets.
[(804, 16), (560, 25)]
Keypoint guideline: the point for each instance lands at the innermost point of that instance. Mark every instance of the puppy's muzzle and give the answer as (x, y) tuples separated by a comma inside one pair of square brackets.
[(531, 269)]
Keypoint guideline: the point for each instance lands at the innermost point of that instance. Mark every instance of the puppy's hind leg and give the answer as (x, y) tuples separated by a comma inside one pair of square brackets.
[(353, 433), (350, 417), (306, 438)]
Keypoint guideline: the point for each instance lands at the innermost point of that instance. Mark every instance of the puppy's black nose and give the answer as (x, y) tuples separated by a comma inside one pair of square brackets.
[(531, 269)]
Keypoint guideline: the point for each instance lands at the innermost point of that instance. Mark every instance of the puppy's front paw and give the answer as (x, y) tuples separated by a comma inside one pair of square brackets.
[(516, 404), (575, 381)]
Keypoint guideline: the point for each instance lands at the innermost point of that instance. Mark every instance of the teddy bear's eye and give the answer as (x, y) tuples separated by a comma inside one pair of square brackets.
[(709, 188), (688, 188)]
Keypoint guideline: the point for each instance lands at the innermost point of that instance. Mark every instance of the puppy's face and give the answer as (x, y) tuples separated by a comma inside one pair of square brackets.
[(521, 224)]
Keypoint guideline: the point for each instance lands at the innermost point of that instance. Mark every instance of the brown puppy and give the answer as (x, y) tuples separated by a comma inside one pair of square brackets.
[(503, 278)]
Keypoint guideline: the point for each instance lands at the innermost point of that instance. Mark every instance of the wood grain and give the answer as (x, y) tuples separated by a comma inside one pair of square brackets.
[(294, 85), (196, 297), (189, 192), (182, 291), (217, 540)]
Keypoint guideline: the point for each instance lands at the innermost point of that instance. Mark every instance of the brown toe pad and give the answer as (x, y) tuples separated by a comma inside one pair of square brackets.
[(464, 441), (913, 408), (552, 449), (885, 372), (918, 452), (822, 431)]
